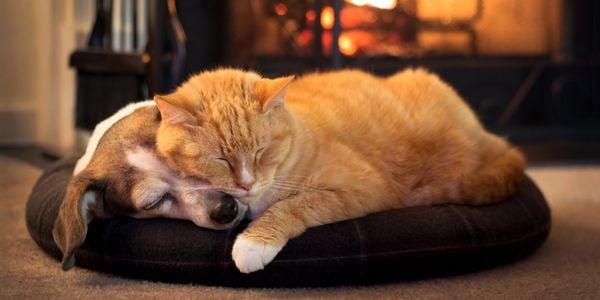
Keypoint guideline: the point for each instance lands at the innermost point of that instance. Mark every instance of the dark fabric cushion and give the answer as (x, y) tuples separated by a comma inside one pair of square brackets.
[(402, 244)]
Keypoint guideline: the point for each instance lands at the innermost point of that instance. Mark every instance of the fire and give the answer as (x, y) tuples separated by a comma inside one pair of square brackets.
[(382, 4), (310, 16), (327, 18), (353, 40), (347, 45), (281, 9), (350, 42), (367, 29)]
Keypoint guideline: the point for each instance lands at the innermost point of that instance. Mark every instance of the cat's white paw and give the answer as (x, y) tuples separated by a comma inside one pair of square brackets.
[(250, 256)]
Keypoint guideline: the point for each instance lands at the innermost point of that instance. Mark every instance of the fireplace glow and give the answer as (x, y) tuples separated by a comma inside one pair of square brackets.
[(396, 28), (347, 45), (280, 9), (446, 11), (353, 39), (327, 18), (310, 16), (382, 4)]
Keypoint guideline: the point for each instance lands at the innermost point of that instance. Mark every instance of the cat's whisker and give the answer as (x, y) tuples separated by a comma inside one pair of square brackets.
[(301, 180), (281, 188), (291, 183), (196, 188), (298, 180), (295, 186), (291, 176), (287, 179)]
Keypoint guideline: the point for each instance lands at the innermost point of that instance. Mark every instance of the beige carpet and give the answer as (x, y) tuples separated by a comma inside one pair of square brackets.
[(566, 267)]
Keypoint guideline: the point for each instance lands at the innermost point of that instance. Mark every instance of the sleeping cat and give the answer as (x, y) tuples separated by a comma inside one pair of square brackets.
[(330, 146)]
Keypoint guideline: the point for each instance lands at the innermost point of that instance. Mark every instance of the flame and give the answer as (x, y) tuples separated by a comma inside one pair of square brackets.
[(347, 45), (310, 16), (280, 9), (327, 17), (382, 4)]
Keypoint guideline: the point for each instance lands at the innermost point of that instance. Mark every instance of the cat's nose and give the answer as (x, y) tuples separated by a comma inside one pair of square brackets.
[(244, 178), (245, 184)]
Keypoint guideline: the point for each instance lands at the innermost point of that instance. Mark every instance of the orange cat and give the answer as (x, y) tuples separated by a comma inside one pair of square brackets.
[(329, 147)]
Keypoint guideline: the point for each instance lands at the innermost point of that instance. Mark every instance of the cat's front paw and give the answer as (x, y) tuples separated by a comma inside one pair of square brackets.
[(250, 256)]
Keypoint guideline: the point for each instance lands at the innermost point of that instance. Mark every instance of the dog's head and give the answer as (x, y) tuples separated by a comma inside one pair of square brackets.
[(121, 173)]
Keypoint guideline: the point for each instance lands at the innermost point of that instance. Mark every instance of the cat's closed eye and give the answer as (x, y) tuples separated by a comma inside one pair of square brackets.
[(223, 161), (258, 154)]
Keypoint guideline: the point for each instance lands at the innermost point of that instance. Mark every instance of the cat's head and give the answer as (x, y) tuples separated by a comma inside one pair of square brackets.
[(229, 127)]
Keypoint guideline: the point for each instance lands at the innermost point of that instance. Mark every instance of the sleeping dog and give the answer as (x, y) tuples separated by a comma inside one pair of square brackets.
[(121, 173)]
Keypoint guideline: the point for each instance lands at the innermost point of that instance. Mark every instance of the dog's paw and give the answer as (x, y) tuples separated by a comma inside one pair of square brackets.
[(250, 256)]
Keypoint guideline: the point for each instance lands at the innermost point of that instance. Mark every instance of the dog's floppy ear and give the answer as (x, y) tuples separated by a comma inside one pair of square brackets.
[(81, 203)]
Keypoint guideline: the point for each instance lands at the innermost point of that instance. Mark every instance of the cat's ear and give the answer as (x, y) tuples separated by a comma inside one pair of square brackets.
[(271, 92), (172, 114)]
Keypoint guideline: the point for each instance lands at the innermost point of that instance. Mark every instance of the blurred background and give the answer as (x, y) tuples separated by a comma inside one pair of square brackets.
[(530, 69)]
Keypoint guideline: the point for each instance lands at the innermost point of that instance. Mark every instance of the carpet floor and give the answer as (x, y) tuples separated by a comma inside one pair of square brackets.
[(567, 266)]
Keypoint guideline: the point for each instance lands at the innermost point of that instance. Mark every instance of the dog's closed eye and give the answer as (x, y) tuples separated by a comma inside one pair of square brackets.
[(157, 202)]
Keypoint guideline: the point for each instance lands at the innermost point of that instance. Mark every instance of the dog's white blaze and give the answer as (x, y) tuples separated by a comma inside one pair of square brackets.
[(146, 160), (102, 128)]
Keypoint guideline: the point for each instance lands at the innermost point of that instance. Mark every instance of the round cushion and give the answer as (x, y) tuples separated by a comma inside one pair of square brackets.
[(400, 244)]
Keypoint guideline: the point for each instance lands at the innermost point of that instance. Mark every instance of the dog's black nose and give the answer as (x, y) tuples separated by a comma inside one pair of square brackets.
[(224, 211)]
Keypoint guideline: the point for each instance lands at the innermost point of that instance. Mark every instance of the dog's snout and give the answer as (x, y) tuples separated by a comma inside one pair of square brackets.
[(225, 211)]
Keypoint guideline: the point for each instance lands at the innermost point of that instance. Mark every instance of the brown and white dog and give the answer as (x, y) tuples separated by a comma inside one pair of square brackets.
[(121, 173)]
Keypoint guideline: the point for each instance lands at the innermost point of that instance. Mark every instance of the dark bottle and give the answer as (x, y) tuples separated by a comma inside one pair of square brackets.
[(100, 35)]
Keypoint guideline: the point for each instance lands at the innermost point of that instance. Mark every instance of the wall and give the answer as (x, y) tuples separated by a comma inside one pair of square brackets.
[(22, 70), (36, 84)]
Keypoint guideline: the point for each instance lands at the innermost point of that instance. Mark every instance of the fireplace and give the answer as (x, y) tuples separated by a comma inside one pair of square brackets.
[(326, 34), (530, 69)]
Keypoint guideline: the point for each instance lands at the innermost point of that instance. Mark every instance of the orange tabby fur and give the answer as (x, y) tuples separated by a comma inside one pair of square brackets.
[(341, 145)]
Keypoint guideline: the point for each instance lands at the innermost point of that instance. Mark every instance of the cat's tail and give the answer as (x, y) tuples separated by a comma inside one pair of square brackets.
[(501, 171)]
